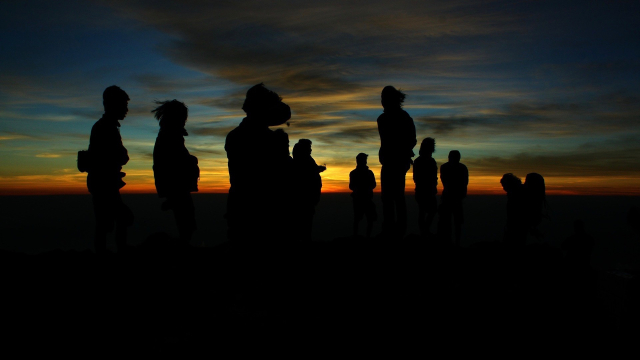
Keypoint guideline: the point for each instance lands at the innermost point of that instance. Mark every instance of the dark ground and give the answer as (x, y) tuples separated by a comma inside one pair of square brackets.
[(159, 298), (36, 224)]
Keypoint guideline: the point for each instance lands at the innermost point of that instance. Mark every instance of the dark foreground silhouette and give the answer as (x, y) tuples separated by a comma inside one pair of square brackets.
[(104, 178), (397, 139), (175, 170), (161, 297)]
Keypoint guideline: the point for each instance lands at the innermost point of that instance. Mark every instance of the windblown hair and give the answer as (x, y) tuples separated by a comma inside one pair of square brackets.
[(171, 114), (392, 96), (508, 180), (428, 146)]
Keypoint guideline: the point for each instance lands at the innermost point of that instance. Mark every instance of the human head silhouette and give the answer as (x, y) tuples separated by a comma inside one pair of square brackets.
[(302, 148), (361, 159), (171, 114), (391, 98), (115, 102), (454, 156), (578, 226), (535, 184), (428, 146), (510, 181), (265, 105)]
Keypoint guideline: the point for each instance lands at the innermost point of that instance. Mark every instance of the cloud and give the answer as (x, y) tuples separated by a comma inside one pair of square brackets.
[(608, 113), (577, 163), (219, 131), (475, 72), (6, 136), (319, 47), (48, 155)]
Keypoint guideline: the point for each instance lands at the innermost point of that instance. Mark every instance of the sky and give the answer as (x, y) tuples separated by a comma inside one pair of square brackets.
[(551, 87)]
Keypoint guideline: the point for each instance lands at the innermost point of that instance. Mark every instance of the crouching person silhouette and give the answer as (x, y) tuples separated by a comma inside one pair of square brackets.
[(259, 170), (176, 171), (306, 187), (362, 182), (104, 179)]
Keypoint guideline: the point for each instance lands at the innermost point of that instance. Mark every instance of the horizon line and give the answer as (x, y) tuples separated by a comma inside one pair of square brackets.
[(31, 192)]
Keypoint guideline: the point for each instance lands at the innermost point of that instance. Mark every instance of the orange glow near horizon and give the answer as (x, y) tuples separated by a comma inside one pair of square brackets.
[(333, 182)]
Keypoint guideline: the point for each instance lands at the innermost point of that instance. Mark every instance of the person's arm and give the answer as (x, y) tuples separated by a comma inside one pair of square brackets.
[(435, 172), (351, 185), (121, 156), (411, 135), (417, 175), (443, 175), (372, 180), (466, 176)]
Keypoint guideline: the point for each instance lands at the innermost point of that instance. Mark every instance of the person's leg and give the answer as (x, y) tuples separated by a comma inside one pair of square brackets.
[(124, 219), (121, 238), (400, 200), (421, 221), (372, 216), (388, 203), (444, 221), (458, 220), (431, 210), (103, 212), (307, 224), (100, 241), (184, 213), (355, 228), (401, 204), (357, 216)]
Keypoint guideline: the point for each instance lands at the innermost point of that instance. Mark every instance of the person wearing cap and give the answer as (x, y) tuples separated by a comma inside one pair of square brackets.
[(259, 169), (425, 176), (104, 179), (362, 182), (397, 139)]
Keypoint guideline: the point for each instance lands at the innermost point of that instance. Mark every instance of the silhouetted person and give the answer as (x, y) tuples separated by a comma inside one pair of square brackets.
[(536, 207), (397, 139), (259, 169), (104, 179), (425, 176), (362, 182), (306, 188), (176, 171), (515, 233), (578, 247), (455, 178)]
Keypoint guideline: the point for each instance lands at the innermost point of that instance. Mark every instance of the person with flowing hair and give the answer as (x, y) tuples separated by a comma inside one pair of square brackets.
[(175, 170)]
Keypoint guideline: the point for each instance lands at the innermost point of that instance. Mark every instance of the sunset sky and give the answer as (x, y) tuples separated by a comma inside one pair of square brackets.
[(517, 86)]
